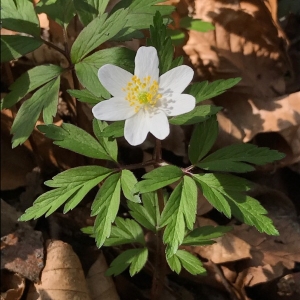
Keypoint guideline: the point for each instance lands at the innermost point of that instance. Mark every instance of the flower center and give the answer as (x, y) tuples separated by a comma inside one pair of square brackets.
[(142, 92)]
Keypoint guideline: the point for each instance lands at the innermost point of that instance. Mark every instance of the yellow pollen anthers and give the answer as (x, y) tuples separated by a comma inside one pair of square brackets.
[(142, 92)]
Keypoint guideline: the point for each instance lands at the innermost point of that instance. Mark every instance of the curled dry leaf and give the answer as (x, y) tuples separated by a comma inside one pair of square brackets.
[(62, 277), (101, 287), (12, 286), (22, 252), (9, 218)]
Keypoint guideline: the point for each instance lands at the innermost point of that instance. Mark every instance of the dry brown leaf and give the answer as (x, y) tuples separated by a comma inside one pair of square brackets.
[(101, 287), (12, 286), (62, 277), (226, 249), (9, 218), (23, 252), (246, 43)]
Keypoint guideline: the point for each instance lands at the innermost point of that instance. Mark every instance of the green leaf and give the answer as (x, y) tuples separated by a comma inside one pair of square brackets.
[(85, 96), (105, 207), (203, 138), (109, 145), (100, 30), (159, 178), (15, 46), (135, 258), (43, 100), (73, 138), (215, 186), (88, 10), (128, 181), (198, 114), (249, 210), (179, 213), (147, 213), (237, 157), (121, 57), (227, 193), (174, 263), (28, 82), (71, 184), (114, 130), (125, 231), (140, 16), (162, 42), (196, 24), (205, 90), (60, 11), (88, 230), (177, 36), (203, 235), (20, 16), (191, 263)]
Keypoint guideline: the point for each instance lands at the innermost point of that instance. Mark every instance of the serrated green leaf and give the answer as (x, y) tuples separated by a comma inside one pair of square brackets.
[(114, 130), (122, 57), (68, 186), (159, 178), (162, 42), (140, 16), (97, 32), (198, 114), (215, 186), (20, 16), (191, 263), (109, 145), (128, 181), (250, 211), (179, 213), (237, 157), (174, 263), (135, 258), (44, 100), (88, 10), (196, 24), (15, 46), (205, 90), (147, 213), (125, 231), (28, 82), (73, 138), (203, 235), (60, 11), (105, 207), (85, 96), (203, 138), (138, 262)]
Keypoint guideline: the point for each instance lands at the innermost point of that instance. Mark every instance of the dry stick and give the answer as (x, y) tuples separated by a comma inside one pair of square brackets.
[(160, 261), (234, 294)]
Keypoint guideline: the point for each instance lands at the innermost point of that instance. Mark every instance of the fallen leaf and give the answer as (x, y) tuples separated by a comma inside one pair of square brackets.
[(101, 287), (62, 277), (23, 252), (12, 286)]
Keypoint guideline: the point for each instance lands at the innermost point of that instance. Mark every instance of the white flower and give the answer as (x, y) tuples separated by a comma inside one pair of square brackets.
[(144, 99)]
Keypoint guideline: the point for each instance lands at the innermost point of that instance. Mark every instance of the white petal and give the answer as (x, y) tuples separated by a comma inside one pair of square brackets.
[(176, 80), (159, 125), (146, 63), (114, 78), (114, 109), (178, 104), (136, 128)]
